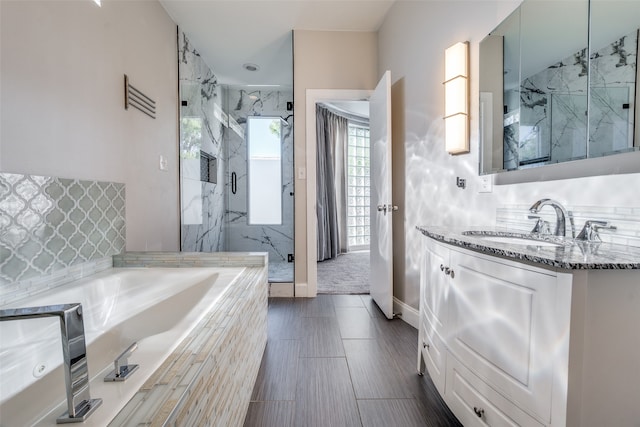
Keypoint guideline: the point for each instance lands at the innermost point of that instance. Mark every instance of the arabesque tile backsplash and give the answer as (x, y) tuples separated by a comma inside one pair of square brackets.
[(48, 224)]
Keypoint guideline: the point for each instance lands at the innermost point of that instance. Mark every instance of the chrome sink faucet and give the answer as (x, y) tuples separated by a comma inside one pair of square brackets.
[(561, 216), (74, 351)]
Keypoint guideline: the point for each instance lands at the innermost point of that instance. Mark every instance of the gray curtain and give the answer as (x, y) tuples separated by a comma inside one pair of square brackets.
[(331, 137)]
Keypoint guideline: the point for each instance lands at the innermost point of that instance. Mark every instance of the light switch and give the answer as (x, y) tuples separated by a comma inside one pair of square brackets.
[(302, 173), (163, 164)]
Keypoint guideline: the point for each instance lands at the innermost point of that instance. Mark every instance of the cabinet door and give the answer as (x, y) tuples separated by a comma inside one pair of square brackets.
[(503, 327), (433, 352), (433, 311), (435, 286)]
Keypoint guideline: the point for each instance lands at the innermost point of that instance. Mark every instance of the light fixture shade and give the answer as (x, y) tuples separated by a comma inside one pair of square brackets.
[(456, 131), (456, 62), (456, 96)]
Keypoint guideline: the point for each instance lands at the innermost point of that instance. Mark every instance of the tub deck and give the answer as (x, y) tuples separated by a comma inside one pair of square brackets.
[(177, 348)]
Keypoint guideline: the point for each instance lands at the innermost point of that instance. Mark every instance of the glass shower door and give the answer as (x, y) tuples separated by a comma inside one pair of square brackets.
[(259, 187)]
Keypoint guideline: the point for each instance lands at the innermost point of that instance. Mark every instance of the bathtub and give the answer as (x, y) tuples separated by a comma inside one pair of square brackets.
[(155, 307)]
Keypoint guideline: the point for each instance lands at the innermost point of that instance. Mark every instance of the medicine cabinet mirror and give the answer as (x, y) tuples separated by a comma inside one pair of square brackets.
[(558, 83)]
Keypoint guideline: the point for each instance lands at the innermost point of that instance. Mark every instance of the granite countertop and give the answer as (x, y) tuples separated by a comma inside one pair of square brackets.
[(565, 253)]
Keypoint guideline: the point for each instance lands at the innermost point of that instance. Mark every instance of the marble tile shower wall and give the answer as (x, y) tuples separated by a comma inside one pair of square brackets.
[(626, 220), (551, 124), (202, 128), (54, 230), (277, 240)]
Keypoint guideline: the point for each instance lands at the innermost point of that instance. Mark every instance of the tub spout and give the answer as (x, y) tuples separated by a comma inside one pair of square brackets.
[(74, 352)]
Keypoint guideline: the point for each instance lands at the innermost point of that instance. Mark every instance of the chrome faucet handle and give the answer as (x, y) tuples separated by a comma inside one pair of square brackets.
[(122, 369), (541, 226), (590, 230)]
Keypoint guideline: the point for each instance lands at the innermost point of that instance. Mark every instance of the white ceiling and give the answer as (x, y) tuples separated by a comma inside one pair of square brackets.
[(230, 33)]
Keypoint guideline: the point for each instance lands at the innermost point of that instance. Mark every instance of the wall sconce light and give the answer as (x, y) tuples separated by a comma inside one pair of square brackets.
[(456, 98)]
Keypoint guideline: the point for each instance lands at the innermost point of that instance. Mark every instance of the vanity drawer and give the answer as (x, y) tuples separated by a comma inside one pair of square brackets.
[(477, 404), (434, 354)]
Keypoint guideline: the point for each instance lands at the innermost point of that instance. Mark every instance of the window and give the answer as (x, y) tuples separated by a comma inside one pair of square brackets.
[(264, 146), (208, 168), (358, 188)]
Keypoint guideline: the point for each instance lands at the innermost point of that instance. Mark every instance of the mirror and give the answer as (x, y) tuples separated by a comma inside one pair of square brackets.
[(613, 76), (549, 96)]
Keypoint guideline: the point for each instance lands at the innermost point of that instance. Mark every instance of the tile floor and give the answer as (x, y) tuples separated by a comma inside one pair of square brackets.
[(336, 361), (280, 272)]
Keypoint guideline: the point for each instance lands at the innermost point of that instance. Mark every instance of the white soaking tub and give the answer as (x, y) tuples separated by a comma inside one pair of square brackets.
[(155, 307)]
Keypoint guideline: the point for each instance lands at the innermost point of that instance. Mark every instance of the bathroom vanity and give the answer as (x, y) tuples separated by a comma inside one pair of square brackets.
[(530, 332)]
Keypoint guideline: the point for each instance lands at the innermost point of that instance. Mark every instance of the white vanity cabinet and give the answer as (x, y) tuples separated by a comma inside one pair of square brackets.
[(434, 289), (513, 344)]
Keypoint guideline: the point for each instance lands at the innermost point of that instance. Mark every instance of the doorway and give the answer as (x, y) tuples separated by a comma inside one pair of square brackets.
[(381, 251), (343, 197)]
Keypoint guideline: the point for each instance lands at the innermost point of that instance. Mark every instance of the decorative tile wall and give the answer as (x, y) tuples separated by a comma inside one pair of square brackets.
[(551, 123), (277, 240), (48, 224), (202, 127)]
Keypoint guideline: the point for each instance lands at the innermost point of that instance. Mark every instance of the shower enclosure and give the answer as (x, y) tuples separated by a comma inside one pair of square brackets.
[(236, 166), (259, 190)]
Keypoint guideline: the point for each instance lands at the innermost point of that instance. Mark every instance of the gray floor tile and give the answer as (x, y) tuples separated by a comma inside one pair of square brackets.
[(325, 395), (355, 322), (373, 371), (277, 376), (270, 414), (327, 378), (320, 306), (347, 301), (391, 412), (374, 310), (283, 318), (321, 337)]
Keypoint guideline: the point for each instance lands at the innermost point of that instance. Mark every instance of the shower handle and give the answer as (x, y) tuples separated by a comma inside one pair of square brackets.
[(234, 183)]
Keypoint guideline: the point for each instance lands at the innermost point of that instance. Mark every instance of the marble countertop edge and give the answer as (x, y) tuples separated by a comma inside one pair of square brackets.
[(569, 254)]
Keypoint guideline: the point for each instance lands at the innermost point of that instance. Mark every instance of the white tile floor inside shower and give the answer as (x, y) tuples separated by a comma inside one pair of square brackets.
[(280, 272)]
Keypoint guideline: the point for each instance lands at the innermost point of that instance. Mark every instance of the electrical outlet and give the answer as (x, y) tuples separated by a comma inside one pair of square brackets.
[(290, 258), (461, 183), (486, 184)]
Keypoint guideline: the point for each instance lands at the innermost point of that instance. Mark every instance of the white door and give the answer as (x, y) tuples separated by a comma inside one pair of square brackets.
[(382, 207)]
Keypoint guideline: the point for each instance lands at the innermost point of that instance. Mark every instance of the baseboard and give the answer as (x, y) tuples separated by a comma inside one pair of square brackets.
[(281, 290), (409, 314), (301, 290)]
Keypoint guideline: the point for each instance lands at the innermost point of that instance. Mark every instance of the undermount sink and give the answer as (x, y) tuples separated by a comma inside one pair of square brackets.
[(519, 241), (515, 239)]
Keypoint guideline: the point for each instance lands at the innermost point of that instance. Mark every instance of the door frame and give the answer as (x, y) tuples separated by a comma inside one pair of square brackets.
[(313, 96)]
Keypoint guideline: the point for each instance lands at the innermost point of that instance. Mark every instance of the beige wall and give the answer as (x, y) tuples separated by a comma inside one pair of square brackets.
[(62, 114), (323, 60)]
